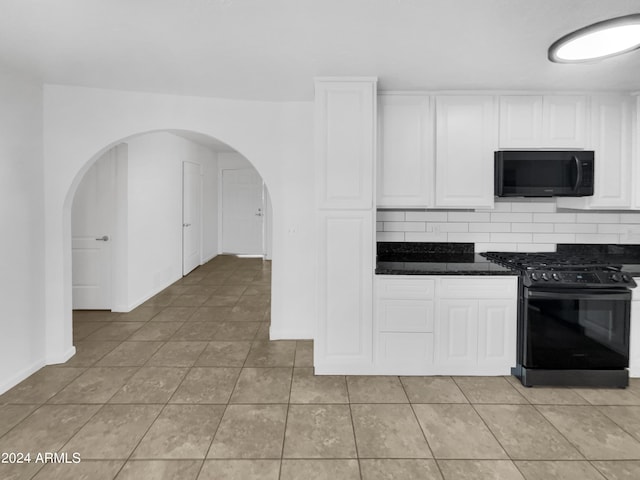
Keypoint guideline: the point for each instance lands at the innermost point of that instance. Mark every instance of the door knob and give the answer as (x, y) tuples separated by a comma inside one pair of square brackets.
[(186, 224), (104, 238)]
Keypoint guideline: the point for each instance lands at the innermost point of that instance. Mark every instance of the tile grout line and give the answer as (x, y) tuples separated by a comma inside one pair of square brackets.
[(424, 435), (353, 426)]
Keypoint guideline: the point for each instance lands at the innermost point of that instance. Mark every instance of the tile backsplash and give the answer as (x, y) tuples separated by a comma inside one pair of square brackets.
[(523, 225)]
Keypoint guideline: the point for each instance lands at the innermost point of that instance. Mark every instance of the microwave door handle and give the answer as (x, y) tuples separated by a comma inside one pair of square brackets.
[(578, 183)]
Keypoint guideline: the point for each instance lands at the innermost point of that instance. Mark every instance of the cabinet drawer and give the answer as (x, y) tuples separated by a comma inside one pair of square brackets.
[(406, 347), (477, 287), (413, 288), (405, 315)]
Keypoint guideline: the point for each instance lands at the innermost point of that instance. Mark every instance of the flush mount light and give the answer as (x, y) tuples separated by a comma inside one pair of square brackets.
[(600, 40)]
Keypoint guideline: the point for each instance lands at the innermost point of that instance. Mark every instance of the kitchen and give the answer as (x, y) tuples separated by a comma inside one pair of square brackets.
[(277, 136)]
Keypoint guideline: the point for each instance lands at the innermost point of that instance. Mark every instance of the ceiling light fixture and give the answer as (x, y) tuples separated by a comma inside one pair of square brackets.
[(601, 40)]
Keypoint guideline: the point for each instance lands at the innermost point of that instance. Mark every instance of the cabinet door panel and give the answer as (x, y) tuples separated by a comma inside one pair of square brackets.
[(497, 322), (406, 315), (346, 288), (465, 142), (563, 121), (345, 142), (520, 121), (405, 151), (611, 138), (457, 333)]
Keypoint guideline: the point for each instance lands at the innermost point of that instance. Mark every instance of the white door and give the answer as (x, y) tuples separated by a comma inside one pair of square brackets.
[(242, 212), (92, 217), (191, 223)]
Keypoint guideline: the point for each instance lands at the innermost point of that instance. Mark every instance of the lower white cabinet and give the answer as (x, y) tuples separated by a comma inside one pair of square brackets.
[(445, 325)]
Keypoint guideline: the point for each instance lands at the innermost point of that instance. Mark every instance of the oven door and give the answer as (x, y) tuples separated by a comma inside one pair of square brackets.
[(576, 329)]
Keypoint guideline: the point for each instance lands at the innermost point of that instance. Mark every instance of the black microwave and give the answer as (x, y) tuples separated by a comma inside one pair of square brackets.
[(543, 173)]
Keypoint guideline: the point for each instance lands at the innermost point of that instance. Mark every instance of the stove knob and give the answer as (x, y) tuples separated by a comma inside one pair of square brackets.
[(555, 276), (626, 278), (615, 277), (534, 276), (545, 276)]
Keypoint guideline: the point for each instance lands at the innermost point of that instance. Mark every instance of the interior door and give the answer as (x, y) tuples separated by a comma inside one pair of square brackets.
[(92, 216), (242, 212), (191, 217)]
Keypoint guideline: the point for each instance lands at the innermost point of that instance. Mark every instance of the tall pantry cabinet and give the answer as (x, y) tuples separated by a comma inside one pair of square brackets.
[(345, 126)]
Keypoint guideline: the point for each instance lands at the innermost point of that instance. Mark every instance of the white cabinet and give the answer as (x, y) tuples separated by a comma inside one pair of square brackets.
[(405, 151), (404, 324), (543, 121), (465, 142), (345, 141), (457, 333), (611, 142), (445, 325), (634, 341)]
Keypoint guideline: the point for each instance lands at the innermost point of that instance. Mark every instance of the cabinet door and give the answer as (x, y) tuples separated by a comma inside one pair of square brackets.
[(345, 336), (457, 333), (611, 139), (465, 142), (345, 143), (497, 322), (563, 121), (405, 162), (520, 121)]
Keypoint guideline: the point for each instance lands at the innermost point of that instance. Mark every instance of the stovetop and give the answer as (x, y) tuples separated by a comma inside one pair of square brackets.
[(555, 269)]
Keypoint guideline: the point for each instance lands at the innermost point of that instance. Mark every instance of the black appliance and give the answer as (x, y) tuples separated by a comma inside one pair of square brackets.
[(543, 173), (573, 319)]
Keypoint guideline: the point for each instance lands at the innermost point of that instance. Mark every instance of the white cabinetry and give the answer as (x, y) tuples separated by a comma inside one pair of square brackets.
[(611, 142), (345, 149), (537, 121), (405, 156), (465, 142), (634, 342), (445, 325)]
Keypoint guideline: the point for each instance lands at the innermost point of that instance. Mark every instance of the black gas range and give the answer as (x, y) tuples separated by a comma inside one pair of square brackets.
[(563, 270), (573, 319)]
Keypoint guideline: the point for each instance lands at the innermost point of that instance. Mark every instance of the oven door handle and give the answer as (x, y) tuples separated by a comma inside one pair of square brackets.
[(578, 183), (601, 295)]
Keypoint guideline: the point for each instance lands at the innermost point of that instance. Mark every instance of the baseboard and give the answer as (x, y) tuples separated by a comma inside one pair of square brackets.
[(56, 359), (208, 259), (289, 334), (22, 375), (143, 299)]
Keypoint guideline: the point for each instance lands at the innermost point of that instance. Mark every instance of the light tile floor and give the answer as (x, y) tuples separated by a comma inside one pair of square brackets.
[(188, 386)]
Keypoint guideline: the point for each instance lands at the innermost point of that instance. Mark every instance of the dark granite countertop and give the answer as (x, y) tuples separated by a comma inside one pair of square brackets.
[(416, 258)]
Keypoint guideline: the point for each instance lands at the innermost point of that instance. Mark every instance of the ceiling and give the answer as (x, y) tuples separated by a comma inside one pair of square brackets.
[(272, 49)]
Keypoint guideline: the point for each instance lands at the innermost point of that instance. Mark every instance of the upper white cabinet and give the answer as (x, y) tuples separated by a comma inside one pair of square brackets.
[(465, 142), (345, 142), (611, 141), (405, 151), (543, 121)]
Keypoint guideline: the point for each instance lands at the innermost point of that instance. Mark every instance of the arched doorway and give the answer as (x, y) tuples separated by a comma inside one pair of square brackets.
[(152, 209), (81, 124)]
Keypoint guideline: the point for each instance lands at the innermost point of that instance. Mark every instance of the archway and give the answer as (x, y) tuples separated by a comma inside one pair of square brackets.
[(81, 124), (146, 233)]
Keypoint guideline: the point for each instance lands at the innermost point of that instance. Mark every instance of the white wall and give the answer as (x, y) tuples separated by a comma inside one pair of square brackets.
[(155, 211), (526, 225), (22, 243), (80, 123)]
